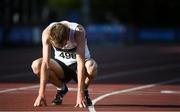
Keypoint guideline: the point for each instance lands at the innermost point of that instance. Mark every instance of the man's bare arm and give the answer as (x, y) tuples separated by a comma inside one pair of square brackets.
[(80, 56), (44, 69), (45, 61)]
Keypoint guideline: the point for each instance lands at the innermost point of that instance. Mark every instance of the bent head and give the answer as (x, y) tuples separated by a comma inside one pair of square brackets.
[(59, 34)]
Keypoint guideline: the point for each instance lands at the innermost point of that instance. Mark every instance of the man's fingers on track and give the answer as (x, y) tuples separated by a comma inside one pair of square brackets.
[(76, 105), (83, 104), (35, 104)]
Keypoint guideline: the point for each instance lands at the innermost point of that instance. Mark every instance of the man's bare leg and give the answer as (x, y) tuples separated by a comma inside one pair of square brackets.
[(91, 71), (53, 77)]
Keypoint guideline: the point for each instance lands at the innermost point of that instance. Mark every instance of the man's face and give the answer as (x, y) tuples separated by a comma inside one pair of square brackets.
[(59, 44)]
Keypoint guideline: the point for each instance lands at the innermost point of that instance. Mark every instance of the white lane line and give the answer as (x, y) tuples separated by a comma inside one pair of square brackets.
[(30, 87), (92, 108), (169, 92), (20, 88)]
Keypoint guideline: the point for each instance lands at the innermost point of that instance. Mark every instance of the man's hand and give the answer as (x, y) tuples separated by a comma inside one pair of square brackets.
[(80, 102), (40, 101)]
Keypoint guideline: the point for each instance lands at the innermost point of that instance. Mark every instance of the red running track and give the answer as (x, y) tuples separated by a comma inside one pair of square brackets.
[(138, 78)]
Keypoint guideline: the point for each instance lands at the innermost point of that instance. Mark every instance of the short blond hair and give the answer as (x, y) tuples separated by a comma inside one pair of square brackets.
[(59, 33)]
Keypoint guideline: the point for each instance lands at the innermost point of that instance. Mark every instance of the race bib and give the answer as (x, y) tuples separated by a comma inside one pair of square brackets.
[(67, 55)]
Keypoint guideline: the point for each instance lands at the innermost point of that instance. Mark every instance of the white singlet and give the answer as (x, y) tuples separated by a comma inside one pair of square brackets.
[(67, 54)]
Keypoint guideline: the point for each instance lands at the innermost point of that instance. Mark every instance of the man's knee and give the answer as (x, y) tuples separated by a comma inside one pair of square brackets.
[(36, 66), (91, 67)]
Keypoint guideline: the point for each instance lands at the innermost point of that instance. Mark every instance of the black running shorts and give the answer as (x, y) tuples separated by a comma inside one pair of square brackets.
[(69, 71)]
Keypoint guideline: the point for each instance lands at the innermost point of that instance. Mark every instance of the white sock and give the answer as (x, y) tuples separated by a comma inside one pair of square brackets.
[(59, 88)]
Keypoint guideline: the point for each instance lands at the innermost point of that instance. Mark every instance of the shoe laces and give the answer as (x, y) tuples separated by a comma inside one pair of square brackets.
[(61, 93)]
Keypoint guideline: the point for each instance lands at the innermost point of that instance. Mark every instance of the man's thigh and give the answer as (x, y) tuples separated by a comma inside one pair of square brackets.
[(56, 68), (69, 71)]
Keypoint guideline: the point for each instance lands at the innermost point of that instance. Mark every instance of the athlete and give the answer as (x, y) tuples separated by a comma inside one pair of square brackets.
[(71, 60)]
